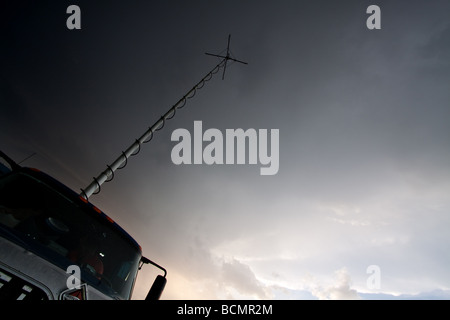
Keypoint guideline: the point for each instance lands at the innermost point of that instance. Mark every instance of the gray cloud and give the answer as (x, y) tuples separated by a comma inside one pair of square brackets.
[(240, 277), (363, 119), (340, 290)]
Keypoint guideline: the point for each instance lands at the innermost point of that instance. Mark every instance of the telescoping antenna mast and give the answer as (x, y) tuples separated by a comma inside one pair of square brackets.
[(106, 176)]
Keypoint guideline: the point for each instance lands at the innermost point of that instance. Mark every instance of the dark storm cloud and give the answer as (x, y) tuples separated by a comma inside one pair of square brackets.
[(363, 119)]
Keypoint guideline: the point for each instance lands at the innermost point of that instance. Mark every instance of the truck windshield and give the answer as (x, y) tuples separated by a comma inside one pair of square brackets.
[(49, 224)]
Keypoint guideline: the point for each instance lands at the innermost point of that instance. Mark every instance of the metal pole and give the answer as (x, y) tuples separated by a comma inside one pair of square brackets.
[(135, 147)]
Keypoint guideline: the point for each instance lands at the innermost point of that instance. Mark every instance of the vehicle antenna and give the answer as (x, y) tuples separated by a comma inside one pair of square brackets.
[(95, 186), (31, 155)]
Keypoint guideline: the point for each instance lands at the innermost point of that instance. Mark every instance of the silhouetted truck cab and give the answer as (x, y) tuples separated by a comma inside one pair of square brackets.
[(54, 244)]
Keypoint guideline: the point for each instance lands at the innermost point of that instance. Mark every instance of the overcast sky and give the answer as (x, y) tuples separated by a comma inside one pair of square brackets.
[(363, 117)]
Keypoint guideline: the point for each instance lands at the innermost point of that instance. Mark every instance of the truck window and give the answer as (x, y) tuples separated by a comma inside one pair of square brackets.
[(52, 226)]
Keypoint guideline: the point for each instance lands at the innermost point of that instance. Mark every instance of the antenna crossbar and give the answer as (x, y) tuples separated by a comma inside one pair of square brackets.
[(226, 58)]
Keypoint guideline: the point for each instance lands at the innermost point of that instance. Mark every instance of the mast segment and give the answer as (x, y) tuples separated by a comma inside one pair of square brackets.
[(121, 161)]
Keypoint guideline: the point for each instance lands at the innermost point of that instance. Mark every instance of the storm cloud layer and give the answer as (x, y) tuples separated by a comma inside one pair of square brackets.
[(363, 119)]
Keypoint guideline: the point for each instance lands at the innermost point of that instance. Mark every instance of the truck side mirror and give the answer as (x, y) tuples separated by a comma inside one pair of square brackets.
[(159, 283), (157, 288)]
